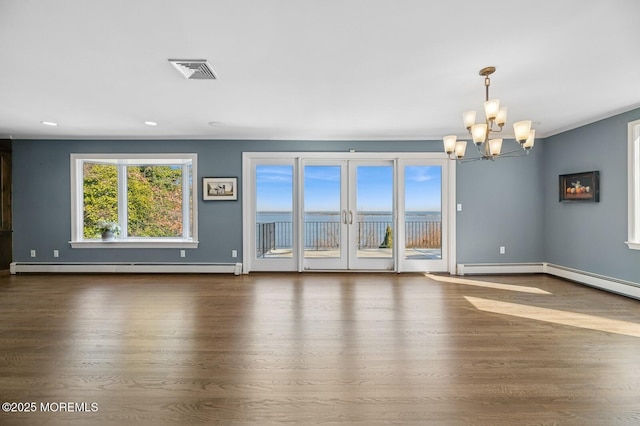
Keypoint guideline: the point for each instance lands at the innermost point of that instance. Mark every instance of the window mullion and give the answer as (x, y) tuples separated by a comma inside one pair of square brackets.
[(635, 198), (634, 185), (123, 219), (77, 199), (186, 216)]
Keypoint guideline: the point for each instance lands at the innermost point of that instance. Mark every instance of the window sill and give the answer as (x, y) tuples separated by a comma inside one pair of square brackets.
[(633, 245), (135, 243)]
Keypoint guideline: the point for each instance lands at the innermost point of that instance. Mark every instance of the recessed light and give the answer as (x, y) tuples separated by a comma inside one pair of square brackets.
[(216, 124), (49, 123), (150, 123)]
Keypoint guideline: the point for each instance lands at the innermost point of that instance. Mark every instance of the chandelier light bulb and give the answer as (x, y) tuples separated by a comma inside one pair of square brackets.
[(469, 118), (501, 118), (530, 140), (479, 133), (522, 130), (495, 146), (461, 147), (491, 108), (449, 144)]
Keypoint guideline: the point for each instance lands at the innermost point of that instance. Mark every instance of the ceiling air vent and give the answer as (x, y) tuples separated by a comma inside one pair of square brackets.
[(194, 69)]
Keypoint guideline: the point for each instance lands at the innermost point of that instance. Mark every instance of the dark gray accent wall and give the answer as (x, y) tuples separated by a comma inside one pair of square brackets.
[(591, 236), (502, 205)]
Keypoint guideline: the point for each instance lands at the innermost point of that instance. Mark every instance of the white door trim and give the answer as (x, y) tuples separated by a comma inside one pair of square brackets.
[(250, 159)]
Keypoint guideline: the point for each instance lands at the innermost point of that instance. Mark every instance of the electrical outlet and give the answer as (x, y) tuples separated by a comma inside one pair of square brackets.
[(33, 253), (234, 253), (459, 207), (183, 253), (56, 253), (503, 250)]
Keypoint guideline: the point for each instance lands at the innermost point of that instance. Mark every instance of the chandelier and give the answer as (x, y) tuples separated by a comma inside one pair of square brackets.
[(483, 134)]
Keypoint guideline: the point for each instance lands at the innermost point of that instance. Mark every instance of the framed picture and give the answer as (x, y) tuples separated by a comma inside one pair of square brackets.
[(225, 188), (583, 186)]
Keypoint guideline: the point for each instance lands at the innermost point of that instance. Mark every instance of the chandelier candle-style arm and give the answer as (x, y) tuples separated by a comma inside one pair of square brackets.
[(489, 147)]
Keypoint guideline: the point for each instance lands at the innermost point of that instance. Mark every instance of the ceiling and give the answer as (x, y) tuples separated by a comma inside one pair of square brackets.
[(310, 69)]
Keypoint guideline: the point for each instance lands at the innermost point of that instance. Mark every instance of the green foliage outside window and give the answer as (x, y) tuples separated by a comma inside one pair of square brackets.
[(100, 196), (154, 199)]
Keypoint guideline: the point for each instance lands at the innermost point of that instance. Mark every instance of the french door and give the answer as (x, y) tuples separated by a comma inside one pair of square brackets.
[(347, 214), (348, 211)]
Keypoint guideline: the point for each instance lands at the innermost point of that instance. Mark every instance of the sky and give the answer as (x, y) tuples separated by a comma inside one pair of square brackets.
[(374, 188)]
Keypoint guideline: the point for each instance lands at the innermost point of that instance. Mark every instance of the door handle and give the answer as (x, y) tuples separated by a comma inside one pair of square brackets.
[(344, 217), (350, 217)]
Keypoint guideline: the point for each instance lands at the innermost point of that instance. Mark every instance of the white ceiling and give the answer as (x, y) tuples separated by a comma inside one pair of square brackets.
[(310, 69)]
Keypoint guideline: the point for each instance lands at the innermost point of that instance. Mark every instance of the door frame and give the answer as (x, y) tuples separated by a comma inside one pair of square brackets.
[(362, 263), (448, 208), (341, 262), (251, 159), (348, 258)]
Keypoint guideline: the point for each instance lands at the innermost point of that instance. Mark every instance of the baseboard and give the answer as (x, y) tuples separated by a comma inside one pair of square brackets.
[(144, 268), (500, 268), (614, 285)]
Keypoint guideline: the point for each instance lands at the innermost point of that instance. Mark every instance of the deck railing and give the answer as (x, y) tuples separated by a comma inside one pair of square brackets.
[(326, 235), (265, 238)]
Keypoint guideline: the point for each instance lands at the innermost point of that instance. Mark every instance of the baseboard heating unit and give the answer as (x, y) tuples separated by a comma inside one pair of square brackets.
[(127, 268), (613, 285)]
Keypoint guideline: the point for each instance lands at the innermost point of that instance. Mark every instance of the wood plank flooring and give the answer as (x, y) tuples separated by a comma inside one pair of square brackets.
[(361, 349)]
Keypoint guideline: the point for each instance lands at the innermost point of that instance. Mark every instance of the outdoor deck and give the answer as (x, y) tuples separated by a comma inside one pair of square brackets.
[(370, 253), (423, 239)]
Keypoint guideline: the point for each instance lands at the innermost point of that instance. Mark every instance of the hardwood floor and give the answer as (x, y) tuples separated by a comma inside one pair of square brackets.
[(363, 349)]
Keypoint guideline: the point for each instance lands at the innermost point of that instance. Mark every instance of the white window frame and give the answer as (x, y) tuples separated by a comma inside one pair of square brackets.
[(633, 169), (123, 160)]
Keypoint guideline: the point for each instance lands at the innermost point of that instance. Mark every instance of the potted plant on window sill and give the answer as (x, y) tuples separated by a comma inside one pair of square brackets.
[(109, 230)]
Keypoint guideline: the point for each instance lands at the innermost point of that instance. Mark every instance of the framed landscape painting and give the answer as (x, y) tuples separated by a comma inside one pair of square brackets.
[(583, 186)]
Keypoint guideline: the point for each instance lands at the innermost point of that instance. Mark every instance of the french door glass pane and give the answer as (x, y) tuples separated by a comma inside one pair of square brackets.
[(322, 216), (423, 207), (374, 216), (274, 211)]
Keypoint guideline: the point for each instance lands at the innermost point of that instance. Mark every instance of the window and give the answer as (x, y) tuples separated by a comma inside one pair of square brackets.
[(634, 185), (151, 196)]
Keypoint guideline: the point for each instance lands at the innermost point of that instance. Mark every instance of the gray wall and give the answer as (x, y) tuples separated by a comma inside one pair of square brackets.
[(502, 205), (511, 202), (590, 236), (497, 209)]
